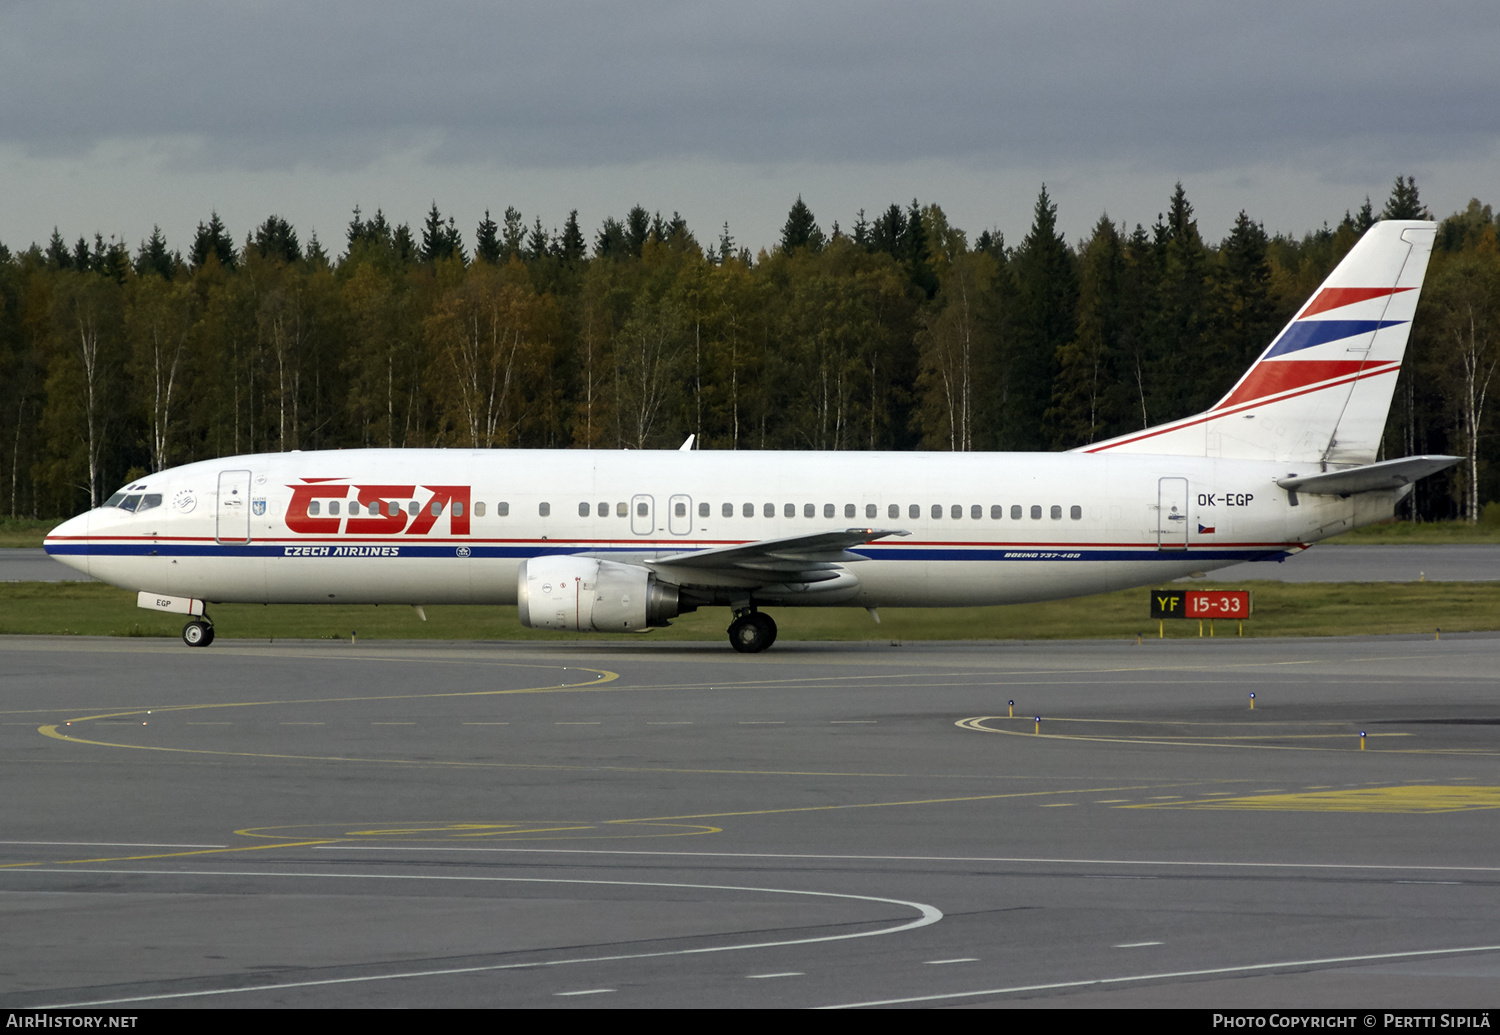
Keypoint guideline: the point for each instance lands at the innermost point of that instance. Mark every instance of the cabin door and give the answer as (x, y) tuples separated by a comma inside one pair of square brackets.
[(1172, 514), (234, 507)]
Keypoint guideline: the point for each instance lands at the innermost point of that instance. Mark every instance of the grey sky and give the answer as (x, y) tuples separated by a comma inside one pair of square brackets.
[(117, 116)]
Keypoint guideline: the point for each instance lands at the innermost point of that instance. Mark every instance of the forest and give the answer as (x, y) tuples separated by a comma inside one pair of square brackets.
[(896, 332)]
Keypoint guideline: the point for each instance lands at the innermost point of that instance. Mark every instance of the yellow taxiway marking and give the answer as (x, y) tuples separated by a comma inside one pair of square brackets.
[(598, 679), (166, 855), (530, 830), (1421, 798)]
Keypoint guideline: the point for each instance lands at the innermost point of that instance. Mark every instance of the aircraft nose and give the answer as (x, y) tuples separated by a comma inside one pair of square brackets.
[(69, 543)]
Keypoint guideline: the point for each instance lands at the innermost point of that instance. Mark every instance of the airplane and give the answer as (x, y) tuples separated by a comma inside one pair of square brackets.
[(612, 541)]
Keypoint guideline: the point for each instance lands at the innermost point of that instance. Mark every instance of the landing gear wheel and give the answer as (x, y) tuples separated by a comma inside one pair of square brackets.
[(198, 634), (752, 632), (768, 624)]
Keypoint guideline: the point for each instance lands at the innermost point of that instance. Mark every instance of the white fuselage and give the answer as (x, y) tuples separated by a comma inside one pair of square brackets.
[(985, 528)]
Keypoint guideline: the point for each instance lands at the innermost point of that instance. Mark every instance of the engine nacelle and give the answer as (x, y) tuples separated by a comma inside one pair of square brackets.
[(582, 594)]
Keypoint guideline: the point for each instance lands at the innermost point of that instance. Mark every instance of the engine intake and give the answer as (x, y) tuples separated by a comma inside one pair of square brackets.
[(582, 594)]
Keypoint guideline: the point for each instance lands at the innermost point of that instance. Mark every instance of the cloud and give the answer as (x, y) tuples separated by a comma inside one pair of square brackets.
[(339, 85)]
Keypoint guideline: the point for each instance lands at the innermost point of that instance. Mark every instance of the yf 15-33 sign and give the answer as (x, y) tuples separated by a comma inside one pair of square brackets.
[(1200, 603)]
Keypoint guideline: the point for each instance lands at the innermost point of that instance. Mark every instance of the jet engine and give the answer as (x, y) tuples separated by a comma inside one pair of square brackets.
[(582, 594)]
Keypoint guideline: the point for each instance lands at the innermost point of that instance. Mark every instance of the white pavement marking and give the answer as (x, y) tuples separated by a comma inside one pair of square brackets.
[(926, 915), (1168, 975)]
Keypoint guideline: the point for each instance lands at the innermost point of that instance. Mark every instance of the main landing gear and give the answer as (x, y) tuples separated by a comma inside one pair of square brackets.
[(751, 632), (198, 633)]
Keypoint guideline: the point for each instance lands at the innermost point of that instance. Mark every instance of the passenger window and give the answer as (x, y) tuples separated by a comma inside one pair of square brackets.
[(622, 509), (313, 509), (769, 510), (643, 509), (1056, 513), (333, 507), (413, 508), (893, 511), (502, 509), (789, 510), (392, 508), (828, 510), (437, 509), (583, 510), (1015, 512), (849, 510), (748, 510), (680, 509), (957, 511), (809, 510), (1076, 513), (703, 510), (871, 510), (937, 511), (728, 510), (544, 509), (914, 511), (458, 508), (353, 507), (976, 512), (996, 512), (601, 509), (1036, 513), (479, 510)]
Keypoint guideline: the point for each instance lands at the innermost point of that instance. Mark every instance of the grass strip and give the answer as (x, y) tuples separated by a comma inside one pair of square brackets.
[(1280, 609)]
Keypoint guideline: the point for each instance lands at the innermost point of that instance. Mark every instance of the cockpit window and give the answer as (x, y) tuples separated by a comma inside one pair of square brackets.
[(134, 502)]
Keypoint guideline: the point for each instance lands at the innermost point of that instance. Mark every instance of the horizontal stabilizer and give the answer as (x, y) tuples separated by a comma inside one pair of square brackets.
[(1389, 474)]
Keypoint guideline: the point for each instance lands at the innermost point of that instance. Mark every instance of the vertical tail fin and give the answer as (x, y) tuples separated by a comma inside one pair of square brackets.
[(1321, 390)]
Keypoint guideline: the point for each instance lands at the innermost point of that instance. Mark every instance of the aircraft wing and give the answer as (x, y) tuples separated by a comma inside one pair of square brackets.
[(815, 557), (1388, 474)]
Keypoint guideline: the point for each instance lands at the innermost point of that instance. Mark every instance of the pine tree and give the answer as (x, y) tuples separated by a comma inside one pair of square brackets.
[(1244, 315), (213, 239), (1405, 202), (801, 230), (573, 247), (57, 252), (536, 243), (861, 229), (154, 257), (889, 229), (513, 235), (275, 239), (441, 239), (487, 241), (637, 229), (916, 253), (317, 258), (1043, 321), (610, 242)]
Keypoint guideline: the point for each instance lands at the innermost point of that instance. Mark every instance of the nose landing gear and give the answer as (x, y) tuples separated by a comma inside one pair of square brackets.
[(751, 631)]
